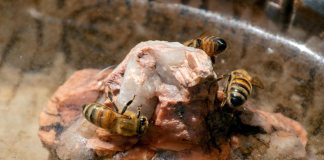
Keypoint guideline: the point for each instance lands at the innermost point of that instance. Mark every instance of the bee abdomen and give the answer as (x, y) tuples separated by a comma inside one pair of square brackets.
[(98, 115), (240, 91), (242, 83), (237, 97), (236, 101)]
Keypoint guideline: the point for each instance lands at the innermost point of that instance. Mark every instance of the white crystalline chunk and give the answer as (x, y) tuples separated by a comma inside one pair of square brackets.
[(157, 70)]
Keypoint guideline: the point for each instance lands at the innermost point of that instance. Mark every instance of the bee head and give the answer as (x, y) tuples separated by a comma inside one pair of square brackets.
[(198, 43), (222, 46), (143, 125)]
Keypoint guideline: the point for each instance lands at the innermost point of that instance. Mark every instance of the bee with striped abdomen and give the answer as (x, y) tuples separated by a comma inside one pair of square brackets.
[(239, 87), (209, 42), (126, 123)]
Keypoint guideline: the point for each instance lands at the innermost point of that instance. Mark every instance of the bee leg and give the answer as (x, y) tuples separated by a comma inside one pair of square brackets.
[(223, 76), (110, 95), (127, 104), (225, 89), (212, 58), (223, 103)]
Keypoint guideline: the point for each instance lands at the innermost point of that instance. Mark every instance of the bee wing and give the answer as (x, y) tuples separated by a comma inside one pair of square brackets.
[(257, 82), (102, 71), (117, 115), (189, 43), (121, 116), (101, 75), (213, 32)]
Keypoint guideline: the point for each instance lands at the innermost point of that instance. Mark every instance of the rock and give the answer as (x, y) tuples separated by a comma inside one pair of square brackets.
[(63, 109), (137, 152), (273, 136), (181, 98), (158, 70), (72, 142)]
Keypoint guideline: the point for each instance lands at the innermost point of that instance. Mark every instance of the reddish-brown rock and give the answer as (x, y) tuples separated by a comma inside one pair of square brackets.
[(64, 108), (187, 122)]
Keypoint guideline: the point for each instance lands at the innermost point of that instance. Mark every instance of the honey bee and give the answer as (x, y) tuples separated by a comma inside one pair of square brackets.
[(209, 42), (239, 87), (125, 123)]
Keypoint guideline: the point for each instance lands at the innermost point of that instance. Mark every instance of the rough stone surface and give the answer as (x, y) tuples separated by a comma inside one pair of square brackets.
[(58, 128), (154, 69), (182, 128)]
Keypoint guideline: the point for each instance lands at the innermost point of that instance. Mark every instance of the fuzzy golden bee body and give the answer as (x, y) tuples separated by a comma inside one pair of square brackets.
[(125, 123), (239, 87), (209, 42)]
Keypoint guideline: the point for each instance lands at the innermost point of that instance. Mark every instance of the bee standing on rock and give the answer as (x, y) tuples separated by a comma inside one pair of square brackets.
[(209, 42), (239, 87), (125, 123)]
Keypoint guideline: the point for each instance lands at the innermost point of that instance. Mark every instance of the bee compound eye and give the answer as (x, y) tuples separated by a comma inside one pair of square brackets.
[(199, 42)]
